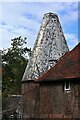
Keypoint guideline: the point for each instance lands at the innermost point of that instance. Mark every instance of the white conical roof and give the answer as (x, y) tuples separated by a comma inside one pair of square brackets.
[(50, 45)]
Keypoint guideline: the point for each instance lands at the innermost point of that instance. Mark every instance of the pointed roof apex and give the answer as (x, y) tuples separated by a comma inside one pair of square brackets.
[(50, 14), (50, 45)]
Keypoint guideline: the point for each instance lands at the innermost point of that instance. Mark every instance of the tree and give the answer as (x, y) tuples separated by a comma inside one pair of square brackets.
[(14, 61)]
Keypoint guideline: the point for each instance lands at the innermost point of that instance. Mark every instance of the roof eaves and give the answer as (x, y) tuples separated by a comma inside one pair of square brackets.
[(62, 79)]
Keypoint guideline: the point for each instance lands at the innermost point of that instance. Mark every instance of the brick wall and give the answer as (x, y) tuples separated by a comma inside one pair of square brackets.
[(49, 100), (30, 92), (55, 102)]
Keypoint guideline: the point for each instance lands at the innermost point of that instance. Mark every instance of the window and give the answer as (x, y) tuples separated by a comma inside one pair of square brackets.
[(67, 85)]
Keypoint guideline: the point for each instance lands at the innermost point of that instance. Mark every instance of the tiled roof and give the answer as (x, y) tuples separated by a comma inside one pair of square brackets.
[(67, 67)]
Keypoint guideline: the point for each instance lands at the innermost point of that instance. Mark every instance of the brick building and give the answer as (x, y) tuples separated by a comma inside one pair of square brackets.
[(56, 94)]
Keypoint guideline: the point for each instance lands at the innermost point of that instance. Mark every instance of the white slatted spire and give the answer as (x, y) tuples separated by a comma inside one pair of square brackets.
[(50, 45)]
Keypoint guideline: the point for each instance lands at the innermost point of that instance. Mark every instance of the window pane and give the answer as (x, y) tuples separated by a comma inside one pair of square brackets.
[(67, 84)]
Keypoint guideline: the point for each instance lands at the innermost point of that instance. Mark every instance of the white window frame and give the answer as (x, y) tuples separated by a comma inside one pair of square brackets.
[(65, 85)]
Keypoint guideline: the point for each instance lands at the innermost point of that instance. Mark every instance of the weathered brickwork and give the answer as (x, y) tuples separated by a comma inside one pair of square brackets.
[(50, 100), (79, 100), (55, 102), (50, 45), (30, 98)]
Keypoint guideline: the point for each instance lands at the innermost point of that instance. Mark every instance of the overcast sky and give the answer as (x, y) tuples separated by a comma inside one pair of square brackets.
[(24, 19)]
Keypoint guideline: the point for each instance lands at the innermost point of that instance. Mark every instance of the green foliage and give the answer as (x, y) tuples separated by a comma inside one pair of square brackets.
[(14, 62)]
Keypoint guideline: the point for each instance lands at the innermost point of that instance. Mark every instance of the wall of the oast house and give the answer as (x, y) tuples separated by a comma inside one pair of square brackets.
[(30, 99), (79, 97), (57, 103)]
